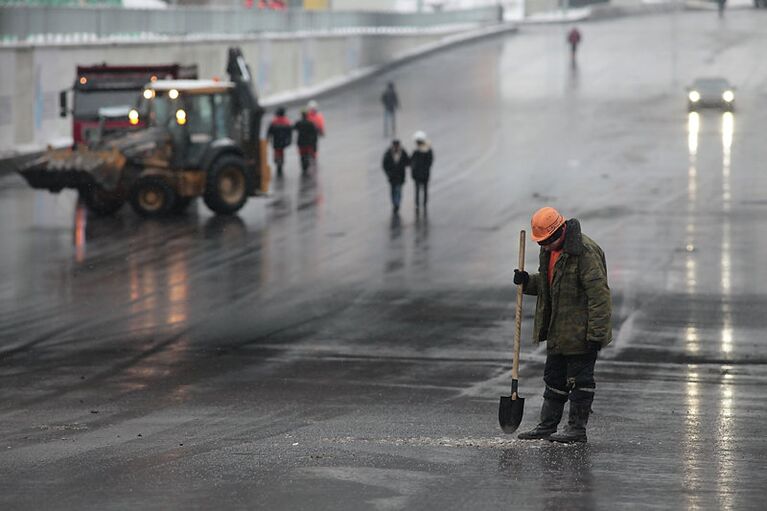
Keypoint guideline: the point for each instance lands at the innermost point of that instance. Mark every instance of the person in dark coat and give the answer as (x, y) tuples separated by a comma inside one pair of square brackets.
[(395, 163), (390, 102), (306, 141), (280, 132), (720, 7), (420, 168)]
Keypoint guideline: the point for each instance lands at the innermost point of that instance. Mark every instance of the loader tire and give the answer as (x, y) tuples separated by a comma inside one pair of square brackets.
[(152, 197), (100, 201), (227, 185)]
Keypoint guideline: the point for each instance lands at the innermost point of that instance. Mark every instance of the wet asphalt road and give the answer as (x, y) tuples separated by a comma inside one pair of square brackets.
[(317, 353)]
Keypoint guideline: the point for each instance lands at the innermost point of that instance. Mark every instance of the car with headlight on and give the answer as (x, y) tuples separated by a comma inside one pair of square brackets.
[(711, 93)]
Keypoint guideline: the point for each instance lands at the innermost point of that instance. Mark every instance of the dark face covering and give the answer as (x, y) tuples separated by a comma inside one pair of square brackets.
[(555, 241)]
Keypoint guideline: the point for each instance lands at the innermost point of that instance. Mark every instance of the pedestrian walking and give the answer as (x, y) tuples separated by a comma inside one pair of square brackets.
[(420, 168), (306, 141), (395, 163), (280, 133), (720, 5), (574, 39), (316, 117), (572, 315), (390, 102)]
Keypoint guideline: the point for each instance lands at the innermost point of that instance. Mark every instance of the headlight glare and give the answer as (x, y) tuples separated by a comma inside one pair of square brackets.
[(133, 117), (694, 96), (728, 96)]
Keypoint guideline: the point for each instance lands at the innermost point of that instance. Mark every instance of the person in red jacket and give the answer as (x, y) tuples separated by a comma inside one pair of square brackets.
[(574, 38), (314, 115), (280, 132), (275, 5)]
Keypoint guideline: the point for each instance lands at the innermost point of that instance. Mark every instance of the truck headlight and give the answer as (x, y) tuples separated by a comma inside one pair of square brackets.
[(148, 93), (728, 96), (133, 117), (180, 117), (694, 96), (173, 94)]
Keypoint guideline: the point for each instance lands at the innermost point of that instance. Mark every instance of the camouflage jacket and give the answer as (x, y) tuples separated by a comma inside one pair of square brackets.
[(576, 307)]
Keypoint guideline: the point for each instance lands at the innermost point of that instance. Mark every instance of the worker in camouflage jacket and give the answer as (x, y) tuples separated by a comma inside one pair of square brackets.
[(572, 315)]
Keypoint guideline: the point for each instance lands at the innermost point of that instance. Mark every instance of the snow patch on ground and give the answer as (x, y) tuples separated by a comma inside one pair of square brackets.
[(443, 441)]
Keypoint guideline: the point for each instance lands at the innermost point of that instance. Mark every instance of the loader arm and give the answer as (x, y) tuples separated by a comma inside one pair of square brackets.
[(247, 101)]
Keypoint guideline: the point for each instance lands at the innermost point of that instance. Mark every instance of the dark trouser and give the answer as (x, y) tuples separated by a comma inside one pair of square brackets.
[(570, 376), (307, 150), (396, 194), (421, 186), (307, 155), (279, 159), (390, 123)]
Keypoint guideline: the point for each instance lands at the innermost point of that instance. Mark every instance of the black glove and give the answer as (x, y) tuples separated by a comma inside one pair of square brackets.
[(521, 277), (594, 346)]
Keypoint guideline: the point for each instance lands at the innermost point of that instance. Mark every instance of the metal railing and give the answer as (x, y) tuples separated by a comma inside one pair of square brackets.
[(60, 3), (34, 23)]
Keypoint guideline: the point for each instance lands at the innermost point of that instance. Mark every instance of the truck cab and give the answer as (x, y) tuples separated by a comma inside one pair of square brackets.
[(104, 86)]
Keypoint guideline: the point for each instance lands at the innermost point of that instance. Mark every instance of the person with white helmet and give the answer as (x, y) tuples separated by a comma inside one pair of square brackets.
[(316, 117), (420, 168)]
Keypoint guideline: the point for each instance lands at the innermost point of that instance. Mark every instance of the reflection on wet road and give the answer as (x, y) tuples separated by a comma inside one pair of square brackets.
[(316, 348)]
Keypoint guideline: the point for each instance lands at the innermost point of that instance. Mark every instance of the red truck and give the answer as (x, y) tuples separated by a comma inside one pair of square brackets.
[(103, 95)]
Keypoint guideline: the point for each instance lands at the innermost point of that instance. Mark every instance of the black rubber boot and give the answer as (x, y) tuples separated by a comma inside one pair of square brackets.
[(551, 414), (575, 430)]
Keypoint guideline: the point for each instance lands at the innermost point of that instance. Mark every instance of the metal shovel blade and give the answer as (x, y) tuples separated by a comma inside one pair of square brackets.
[(510, 413)]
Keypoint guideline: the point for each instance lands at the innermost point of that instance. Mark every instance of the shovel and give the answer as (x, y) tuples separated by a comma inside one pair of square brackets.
[(511, 407)]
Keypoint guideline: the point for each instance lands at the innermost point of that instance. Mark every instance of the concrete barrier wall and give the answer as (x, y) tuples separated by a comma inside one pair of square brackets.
[(33, 75), (24, 23), (547, 6)]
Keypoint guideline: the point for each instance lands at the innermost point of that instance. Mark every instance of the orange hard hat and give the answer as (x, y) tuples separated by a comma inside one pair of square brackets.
[(545, 223)]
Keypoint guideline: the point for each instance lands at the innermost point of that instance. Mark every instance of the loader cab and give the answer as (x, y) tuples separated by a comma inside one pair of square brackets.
[(198, 115), (203, 153)]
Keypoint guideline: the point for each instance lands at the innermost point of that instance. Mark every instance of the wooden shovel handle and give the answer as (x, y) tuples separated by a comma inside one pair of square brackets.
[(518, 319)]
